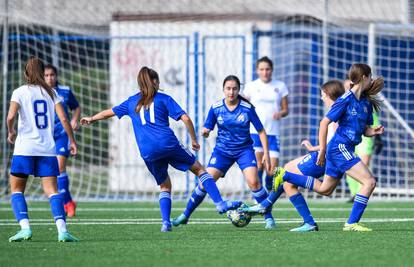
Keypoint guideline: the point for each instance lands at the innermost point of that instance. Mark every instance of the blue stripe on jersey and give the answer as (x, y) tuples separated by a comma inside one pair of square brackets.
[(68, 102), (151, 125), (233, 126), (352, 115)]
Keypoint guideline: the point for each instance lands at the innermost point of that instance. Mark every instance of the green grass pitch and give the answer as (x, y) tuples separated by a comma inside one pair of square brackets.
[(128, 234)]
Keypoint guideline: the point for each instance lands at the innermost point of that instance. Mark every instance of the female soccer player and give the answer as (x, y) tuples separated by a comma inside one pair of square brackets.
[(60, 136), (159, 147), (270, 99), (233, 116), (34, 147), (305, 165), (353, 112)]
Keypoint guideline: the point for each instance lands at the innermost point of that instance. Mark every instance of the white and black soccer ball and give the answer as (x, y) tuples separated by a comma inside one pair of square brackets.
[(239, 218)]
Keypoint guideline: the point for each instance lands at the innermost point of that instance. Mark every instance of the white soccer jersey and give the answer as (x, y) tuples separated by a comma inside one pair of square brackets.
[(267, 98), (36, 121)]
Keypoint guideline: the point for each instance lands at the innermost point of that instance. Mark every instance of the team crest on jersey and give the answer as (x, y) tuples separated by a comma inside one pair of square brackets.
[(220, 120), (353, 112), (241, 118), (365, 109), (213, 160), (276, 90), (62, 149)]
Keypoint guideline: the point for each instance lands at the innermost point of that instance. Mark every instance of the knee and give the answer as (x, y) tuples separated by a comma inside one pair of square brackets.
[(254, 185), (371, 184), (326, 192)]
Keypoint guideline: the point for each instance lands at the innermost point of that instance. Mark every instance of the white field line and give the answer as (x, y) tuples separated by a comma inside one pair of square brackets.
[(213, 209), (152, 221)]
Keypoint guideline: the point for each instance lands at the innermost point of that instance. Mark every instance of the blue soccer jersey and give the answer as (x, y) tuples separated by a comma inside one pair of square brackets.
[(352, 115), (233, 126), (68, 100), (152, 130)]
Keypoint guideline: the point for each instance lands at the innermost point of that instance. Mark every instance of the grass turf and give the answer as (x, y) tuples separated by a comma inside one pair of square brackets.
[(128, 234)]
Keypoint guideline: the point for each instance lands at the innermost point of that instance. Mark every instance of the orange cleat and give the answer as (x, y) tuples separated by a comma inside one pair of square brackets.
[(70, 208)]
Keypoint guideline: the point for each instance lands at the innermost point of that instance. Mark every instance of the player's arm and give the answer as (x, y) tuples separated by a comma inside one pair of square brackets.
[(323, 133), (209, 124), (309, 147), (75, 118), (11, 117), (190, 127), (103, 115), (373, 130), (68, 128)]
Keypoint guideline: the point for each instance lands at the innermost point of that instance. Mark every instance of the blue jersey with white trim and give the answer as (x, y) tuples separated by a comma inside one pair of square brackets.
[(68, 101), (233, 126), (152, 130), (352, 115)]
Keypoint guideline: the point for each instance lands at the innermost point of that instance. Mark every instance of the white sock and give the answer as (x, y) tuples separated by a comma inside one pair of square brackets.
[(61, 226), (24, 224)]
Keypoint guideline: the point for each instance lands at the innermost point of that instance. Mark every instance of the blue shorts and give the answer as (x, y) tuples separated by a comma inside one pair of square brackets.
[(308, 166), (340, 158), (273, 140), (38, 166), (180, 158), (246, 158), (62, 145)]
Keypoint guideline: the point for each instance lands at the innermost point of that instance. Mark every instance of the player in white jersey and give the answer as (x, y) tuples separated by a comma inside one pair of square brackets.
[(34, 147), (269, 96)]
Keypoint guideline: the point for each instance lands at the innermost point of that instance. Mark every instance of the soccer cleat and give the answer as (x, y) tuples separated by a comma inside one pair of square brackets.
[(70, 208), (22, 235), (166, 227), (306, 227), (225, 206), (356, 227), (67, 237), (278, 177), (270, 223), (254, 210), (182, 219)]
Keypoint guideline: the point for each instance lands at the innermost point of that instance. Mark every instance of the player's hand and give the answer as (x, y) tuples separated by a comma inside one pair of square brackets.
[(86, 121), (205, 132), (12, 136), (266, 162), (306, 143), (73, 149), (74, 124), (195, 145), (376, 130), (277, 116), (321, 158)]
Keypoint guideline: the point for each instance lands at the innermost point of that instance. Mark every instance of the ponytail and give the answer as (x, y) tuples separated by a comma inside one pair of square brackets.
[(35, 75), (147, 81)]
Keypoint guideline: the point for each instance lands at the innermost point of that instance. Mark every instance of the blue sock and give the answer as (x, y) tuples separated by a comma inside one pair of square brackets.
[(196, 198), (260, 174), (210, 186), (260, 195), (299, 180), (300, 204), (56, 206), (272, 197), (269, 182), (63, 187), (360, 203), (19, 206), (165, 206)]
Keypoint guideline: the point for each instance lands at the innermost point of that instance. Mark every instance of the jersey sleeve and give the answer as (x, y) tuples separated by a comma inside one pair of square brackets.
[(16, 97), (57, 98), (72, 101), (255, 120), (375, 118), (337, 109), (122, 109), (284, 91), (211, 120), (174, 110)]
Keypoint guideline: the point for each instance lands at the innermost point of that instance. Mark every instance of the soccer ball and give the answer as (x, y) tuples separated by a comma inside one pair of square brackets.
[(239, 218)]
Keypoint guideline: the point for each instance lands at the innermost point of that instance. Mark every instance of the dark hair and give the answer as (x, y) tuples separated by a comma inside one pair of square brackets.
[(237, 80), (52, 67), (266, 60), (356, 73), (35, 74), (147, 79), (334, 89)]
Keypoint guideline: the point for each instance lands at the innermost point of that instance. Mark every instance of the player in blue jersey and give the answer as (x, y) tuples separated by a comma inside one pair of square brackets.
[(305, 165), (353, 112), (61, 138), (34, 147), (233, 116), (149, 111)]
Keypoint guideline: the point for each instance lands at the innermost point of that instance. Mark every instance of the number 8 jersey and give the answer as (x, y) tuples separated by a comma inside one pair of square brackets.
[(36, 121)]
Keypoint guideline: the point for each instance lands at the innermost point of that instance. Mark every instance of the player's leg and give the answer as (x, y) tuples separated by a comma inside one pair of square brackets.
[(257, 146), (274, 152), (165, 204), (47, 169), (63, 187), (363, 175)]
